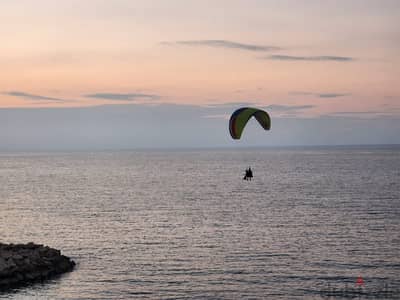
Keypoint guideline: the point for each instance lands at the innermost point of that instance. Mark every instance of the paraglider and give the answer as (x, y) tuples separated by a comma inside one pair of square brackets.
[(238, 121), (241, 116)]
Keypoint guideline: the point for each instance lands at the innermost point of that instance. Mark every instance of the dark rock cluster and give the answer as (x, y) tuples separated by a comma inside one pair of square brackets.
[(24, 263)]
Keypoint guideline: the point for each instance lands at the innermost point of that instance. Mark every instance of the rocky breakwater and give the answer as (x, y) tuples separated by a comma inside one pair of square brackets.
[(25, 263)]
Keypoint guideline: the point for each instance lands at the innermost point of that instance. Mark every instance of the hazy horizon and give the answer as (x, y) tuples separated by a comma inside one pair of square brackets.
[(177, 126)]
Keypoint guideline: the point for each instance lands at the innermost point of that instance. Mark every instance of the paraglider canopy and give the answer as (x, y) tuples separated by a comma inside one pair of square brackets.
[(241, 116)]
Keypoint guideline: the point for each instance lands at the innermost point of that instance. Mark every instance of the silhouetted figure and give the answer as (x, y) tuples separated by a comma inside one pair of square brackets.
[(248, 175)]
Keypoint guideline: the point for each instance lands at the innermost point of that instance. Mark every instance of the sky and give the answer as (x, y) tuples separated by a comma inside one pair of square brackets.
[(127, 74)]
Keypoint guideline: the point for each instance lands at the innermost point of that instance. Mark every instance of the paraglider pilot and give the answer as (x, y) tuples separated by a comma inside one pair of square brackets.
[(249, 174)]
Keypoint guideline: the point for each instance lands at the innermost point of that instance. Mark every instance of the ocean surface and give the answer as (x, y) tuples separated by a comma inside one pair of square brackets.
[(184, 225)]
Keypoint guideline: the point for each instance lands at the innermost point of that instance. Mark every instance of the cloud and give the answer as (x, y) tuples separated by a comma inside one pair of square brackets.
[(370, 113), (332, 95), (223, 109), (321, 95), (355, 112), (309, 58), (288, 108), (386, 112), (35, 97), (122, 97), (230, 104), (221, 116), (224, 44)]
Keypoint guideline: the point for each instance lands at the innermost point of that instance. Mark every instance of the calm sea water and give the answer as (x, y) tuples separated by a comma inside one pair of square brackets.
[(184, 225)]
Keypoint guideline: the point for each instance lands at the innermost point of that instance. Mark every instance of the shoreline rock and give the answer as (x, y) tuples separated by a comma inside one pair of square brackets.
[(22, 264)]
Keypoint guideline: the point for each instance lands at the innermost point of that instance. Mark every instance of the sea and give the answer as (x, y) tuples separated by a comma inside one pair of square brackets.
[(183, 224)]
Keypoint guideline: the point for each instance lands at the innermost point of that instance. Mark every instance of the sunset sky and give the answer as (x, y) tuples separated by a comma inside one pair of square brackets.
[(306, 60)]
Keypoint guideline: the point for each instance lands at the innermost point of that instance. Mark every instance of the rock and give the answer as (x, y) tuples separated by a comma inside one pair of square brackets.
[(3, 263), (17, 257), (24, 263)]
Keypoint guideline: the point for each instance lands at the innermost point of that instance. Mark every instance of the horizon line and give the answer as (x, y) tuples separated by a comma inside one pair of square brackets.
[(217, 148)]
